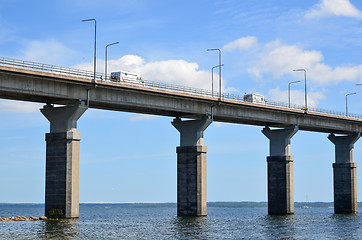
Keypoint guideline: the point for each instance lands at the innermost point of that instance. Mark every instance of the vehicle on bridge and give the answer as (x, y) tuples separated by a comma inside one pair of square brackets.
[(124, 76), (254, 98)]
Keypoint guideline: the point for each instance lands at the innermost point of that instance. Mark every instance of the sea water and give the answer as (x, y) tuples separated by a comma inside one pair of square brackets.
[(159, 221)]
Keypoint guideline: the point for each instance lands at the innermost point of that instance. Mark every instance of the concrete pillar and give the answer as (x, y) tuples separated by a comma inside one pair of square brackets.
[(344, 173), (62, 161), (280, 171), (191, 167)]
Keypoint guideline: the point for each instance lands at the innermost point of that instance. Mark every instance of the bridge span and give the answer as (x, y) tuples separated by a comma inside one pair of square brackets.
[(68, 93)]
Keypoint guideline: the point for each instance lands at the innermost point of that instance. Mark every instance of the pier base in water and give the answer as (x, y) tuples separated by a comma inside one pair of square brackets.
[(191, 181), (280, 185)]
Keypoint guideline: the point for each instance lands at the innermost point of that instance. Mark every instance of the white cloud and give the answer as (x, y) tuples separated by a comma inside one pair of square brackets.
[(179, 72), (244, 43), (19, 107), (328, 8), (172, 71), (48, 51), (278, 60), (142, 117), (323, 73), (297, 97)]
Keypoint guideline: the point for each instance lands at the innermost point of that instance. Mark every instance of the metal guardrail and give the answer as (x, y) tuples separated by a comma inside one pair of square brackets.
[(49, 68), (159, 85)]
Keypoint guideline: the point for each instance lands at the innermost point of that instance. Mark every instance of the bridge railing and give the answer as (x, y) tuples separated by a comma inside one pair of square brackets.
[(49, 68), (159, 85), (178, 88)]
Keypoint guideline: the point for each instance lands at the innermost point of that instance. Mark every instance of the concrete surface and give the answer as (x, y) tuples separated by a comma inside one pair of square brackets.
[(280, 170), (344, 173), (191, 167), (62, 161)]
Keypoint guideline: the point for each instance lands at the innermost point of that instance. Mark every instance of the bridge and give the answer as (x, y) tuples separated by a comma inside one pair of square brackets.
[(67, 93)]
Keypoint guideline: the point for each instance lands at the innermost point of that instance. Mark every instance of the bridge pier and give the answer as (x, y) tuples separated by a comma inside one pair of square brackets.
[(344, 173), (280, 171), (191, 167), (62, 161)]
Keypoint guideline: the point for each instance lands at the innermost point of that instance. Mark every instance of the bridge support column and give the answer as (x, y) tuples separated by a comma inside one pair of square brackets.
[(344, 173), (62, 161), (191, 167), (280, 171)]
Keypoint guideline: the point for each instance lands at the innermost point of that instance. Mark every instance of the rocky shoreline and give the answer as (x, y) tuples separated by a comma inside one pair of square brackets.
[(22, 218)]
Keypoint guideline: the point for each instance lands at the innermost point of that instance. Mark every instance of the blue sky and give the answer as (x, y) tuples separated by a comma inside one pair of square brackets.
[(132, 158)]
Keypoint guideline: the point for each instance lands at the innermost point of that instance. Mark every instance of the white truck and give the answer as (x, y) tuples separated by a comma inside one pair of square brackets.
[(254, 98), (124, 76)]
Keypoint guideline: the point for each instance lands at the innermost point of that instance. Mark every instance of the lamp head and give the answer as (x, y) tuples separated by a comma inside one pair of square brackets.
[(86, 20)]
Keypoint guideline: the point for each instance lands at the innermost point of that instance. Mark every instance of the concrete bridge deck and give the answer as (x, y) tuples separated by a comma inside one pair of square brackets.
[(46, 87)]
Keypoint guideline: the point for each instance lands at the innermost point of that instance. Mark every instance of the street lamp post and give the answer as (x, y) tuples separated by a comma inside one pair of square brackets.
[(305, 87), (348, 94), (95, 47), (212, 77), (106, 59), (289, 90), (217, 49)]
